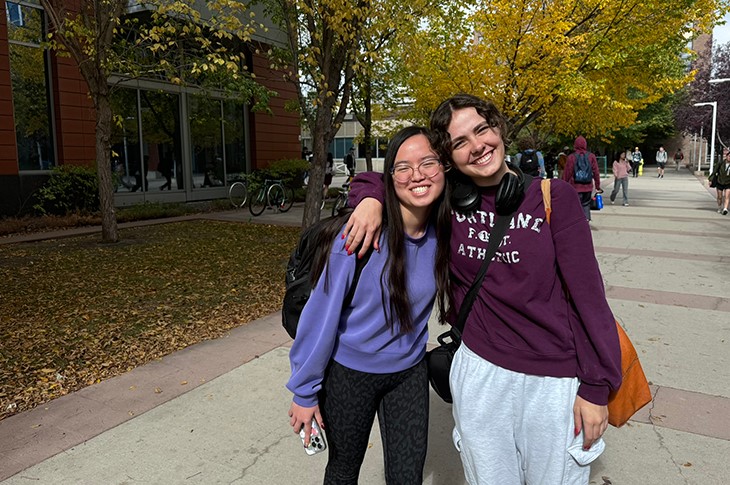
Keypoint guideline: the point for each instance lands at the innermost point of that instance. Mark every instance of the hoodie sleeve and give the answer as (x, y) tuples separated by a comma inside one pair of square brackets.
[(364, 185), (593, 324), (317, 330)]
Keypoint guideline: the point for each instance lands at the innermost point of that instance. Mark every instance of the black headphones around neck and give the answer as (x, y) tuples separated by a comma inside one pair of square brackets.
[(465, 196)]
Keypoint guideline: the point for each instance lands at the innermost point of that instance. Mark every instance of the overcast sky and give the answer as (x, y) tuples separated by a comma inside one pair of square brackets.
[(721, 34)]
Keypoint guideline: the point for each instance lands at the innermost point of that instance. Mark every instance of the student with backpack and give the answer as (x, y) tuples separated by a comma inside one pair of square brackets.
[(531, 162), (350, 161), (531, 378), (352, 361), (581, 171)]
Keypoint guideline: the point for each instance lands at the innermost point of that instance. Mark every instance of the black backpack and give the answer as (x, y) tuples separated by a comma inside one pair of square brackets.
[(298, 278), (529, 163), (583, 173)]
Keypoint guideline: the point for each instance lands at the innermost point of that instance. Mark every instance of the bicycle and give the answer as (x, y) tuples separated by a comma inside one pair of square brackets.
[(341, 200), (273, 194), (238, 194)]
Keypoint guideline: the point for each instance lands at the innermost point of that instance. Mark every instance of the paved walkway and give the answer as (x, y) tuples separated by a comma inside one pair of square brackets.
[(216, 412)]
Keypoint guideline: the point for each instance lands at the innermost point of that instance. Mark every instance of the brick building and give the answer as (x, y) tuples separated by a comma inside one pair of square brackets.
[(173, 143)]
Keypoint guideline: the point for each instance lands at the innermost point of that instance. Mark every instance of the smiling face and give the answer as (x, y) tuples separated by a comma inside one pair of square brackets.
[(477, 148), (420, 191)]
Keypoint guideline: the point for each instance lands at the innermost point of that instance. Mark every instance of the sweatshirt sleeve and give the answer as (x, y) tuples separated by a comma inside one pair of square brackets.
[(364, 185), (317, 330), (594, 330)]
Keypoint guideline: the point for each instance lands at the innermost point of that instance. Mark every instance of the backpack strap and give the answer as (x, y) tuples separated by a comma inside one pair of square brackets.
[(359, 265), (545, 187), (495, 237)]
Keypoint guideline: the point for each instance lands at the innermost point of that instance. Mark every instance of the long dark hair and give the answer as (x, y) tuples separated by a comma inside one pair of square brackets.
[(399, 308), (441, 119)]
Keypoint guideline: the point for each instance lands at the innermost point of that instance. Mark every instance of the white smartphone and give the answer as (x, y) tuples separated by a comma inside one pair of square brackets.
[(317, 442)]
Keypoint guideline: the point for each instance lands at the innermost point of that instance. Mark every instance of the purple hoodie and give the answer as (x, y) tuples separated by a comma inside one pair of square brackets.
[(521, 319), (580, 146), (357, 336)]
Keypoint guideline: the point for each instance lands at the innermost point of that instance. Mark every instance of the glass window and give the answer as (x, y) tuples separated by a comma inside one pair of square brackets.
[(31, 93), (233, 132), (342, 145), (126, 153), (206, 142), (161, 141)]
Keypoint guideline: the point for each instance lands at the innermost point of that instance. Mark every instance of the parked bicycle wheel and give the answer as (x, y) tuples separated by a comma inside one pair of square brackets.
[(281, 198), (276, 196), (288, 200), (257, 204), (237, 194), (340, 202)]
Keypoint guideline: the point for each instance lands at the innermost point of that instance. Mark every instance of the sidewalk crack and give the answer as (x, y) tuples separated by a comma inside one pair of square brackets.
[(662, 445)]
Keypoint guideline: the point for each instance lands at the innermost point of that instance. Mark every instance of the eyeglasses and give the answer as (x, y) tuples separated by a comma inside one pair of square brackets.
[(404, 173)]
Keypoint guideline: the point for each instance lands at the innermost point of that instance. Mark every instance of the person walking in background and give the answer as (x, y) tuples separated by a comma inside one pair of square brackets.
[(550, 162), (721, 179), (328, 174), (531, 378), (661, 161), (531, 162), (636, 160), (350, 161), (678, 157), (351, 363), (581, 171), (621, 169), (562, 160)]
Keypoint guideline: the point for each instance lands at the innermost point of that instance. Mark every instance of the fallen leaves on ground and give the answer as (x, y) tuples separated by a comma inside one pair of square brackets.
[(74, 312)]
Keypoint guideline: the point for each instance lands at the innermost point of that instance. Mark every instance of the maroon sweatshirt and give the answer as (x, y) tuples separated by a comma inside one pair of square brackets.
[(521, 319)]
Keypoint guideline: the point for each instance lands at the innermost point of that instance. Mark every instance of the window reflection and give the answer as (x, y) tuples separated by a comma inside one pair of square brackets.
[(125, 157), (31, 94), (206, 142), (235, 150), (161, 140)]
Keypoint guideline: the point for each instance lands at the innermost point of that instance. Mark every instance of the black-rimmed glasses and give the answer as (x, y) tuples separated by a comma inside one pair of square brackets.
[(402, 172)]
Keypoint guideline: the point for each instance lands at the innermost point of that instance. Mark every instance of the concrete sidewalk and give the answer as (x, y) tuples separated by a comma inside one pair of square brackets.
[(216, 412)]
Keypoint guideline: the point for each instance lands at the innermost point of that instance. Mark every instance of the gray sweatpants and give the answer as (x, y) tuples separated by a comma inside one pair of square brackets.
[(516, 429)]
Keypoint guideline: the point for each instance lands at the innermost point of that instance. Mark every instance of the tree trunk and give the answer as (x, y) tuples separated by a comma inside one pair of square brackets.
[(313, 201), (109, 232), (368, 140)]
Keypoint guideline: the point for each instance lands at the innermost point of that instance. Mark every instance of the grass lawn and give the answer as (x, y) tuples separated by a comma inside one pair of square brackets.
[(74, 312)]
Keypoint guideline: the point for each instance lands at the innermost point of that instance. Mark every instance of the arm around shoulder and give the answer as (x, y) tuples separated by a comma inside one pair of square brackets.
[(363, 228), (364, 185)]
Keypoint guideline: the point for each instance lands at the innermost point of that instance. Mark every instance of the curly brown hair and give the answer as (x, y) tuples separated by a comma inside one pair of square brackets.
[(441, 118)]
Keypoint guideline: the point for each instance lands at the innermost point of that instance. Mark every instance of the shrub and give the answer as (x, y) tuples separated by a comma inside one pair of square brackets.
[(70, 189), (290, 171)]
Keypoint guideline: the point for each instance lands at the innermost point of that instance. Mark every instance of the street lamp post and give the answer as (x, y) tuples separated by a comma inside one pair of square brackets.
[(714, 128)]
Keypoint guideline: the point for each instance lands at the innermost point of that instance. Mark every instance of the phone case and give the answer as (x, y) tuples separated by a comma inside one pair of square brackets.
[(317, 442)]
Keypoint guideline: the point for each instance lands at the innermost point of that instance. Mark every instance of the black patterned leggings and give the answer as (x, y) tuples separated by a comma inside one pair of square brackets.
[(349, 400)]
